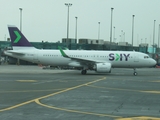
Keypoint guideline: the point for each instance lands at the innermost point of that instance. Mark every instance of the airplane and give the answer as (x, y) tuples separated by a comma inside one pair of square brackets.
[(100, 61)]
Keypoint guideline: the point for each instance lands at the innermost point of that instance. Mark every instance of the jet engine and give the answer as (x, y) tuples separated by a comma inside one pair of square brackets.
[(103, 67)]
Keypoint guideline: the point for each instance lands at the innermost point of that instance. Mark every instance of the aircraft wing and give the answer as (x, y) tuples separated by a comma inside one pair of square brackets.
[(81, 60)]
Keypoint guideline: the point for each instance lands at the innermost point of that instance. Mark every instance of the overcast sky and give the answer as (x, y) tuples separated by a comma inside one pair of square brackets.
[(47, 19)]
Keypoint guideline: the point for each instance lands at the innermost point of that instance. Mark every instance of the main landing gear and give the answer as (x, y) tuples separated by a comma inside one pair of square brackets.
[(83, 72), (135, 73)]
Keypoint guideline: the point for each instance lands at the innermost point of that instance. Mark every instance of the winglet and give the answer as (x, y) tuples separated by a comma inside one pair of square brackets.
[(62, 52)]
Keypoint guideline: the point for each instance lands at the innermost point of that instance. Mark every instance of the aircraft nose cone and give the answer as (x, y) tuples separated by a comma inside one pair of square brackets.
[(154, 62)]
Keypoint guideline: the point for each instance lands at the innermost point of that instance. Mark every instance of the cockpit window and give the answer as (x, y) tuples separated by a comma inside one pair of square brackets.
[(146, 56)]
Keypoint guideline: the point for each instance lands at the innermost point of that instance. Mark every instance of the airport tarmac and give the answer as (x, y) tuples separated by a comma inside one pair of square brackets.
[(32, 93)]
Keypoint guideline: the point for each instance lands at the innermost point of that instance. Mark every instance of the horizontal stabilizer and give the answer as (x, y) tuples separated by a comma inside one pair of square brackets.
[(15, 52)]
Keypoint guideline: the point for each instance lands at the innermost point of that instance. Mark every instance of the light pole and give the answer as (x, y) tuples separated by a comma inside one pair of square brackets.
[(20, 19), (158, 35), (132, 28), (98, 30), (111, 27), (76, 30), (154, 34), (18, 62), (114, 39), (68, 5), (145, 40), (122, 36)]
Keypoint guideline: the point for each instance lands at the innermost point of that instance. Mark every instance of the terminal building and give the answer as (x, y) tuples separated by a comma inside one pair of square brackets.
[(81, 44)]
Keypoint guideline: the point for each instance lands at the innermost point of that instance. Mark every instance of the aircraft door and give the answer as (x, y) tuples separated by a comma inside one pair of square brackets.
[(35, 57), (136, 58)]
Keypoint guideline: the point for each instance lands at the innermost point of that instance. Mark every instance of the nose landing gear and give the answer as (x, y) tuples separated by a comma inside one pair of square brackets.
[(135, 73)]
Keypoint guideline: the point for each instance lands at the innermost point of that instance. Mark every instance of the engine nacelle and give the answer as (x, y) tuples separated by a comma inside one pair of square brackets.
[(103, 67)]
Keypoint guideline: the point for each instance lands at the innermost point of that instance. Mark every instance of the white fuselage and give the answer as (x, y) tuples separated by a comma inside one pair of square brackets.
[(118, 59)]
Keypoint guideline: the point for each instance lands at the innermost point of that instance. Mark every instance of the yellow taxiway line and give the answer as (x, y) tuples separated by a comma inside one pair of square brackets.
[(65, 90)]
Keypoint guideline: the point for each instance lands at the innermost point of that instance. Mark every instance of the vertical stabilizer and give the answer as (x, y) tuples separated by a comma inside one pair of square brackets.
[(18, 40)]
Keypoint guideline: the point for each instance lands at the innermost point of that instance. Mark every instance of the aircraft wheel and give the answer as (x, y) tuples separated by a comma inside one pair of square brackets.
[(83, 72), (135, 73)]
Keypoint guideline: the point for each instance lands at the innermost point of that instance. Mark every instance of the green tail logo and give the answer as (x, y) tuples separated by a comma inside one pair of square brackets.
[(18, 37)]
